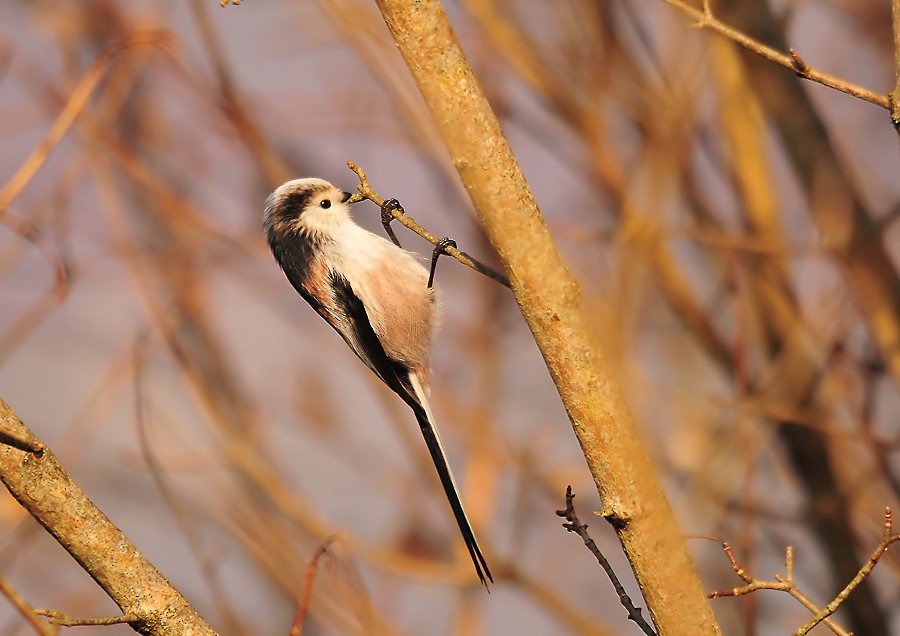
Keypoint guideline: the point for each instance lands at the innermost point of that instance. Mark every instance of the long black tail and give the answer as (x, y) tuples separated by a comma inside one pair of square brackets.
[(366, 344), (436, 449)]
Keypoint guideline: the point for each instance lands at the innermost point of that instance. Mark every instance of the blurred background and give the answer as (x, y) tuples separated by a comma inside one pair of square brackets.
[(733, 229)]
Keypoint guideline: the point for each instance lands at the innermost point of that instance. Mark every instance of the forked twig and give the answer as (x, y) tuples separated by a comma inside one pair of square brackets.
[(781, 583), (786, 583)]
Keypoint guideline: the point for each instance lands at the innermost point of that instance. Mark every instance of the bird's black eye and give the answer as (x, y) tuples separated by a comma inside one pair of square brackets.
[(325, 203)]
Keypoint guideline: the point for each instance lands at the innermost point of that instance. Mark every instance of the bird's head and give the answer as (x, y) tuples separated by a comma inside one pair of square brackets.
[(306, 206)]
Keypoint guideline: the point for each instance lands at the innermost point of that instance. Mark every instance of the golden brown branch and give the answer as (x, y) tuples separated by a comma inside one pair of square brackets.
[(44, 489), (551, 303)]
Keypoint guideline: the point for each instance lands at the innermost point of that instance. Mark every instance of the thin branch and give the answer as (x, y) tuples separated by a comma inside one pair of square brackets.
[(574, 525), (706, 20), (58, 618), (887, 538), (781, 583), (366, 192), (231, 99), (179, 509)]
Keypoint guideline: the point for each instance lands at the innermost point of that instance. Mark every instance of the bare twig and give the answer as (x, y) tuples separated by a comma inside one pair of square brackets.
[(781, 583), (574, 525), (366, 192), (706, 20), (58, 618), (887, 538)]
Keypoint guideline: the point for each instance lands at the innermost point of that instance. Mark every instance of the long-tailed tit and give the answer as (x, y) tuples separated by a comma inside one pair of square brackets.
[(375, 295)]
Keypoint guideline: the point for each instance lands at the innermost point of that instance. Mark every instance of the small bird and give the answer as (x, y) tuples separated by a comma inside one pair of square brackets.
[(377, 296)]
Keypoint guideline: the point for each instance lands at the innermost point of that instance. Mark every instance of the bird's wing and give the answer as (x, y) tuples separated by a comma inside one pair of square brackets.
[(350, 319)]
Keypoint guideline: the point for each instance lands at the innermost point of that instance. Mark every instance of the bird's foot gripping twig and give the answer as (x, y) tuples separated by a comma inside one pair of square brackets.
[(391, 209), (388, 208), (439, 248)]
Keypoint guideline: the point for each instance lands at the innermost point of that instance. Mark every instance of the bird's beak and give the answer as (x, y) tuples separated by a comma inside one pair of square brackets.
[(346, 196)]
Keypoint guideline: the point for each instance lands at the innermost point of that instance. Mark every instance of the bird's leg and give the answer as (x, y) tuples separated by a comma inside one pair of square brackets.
[(386, 217), (439, 249)]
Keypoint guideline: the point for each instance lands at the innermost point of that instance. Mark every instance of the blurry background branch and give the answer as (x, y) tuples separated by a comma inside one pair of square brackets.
[(74, 105), (793, 61)]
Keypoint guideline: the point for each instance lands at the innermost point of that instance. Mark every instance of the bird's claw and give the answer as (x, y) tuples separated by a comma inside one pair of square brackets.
[(439, 248), (387, 210)]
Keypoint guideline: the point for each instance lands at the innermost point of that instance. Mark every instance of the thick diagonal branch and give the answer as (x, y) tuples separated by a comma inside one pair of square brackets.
[(550, 300), (43, 488)]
